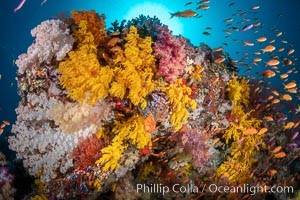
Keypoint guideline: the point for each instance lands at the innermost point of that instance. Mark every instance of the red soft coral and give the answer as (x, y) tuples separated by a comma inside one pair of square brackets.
[(171, 53), (87, 152)]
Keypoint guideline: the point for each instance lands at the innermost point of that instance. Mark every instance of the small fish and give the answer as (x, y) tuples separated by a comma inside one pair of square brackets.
[(261, 39), (257, 24), (44, 1), (272, 41), (250, 131), (272, 172), (280, 155), (289, 125), (291, 51), (219, 60), (268, 73), (295, 135), (116, 33), (281, 49), (279, 34), (256, 53), (247, 43), (231, 4), (228, 20), (287, 62), (185, 14), (255, 7), (283, 76), (290, 85), (203, 7), (275, 92), (247, 27), (226, 31), (7, 123), (19, 6), (284, 41), (206, 33), (272, 62), (275, 101), (188, 3), (257, 59), (286, 97), (268, 48), (112, 42), (218, 49), (262, 131), (292, 90)]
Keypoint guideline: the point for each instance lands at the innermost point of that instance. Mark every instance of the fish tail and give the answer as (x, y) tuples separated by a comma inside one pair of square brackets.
[(263, 50), (172, 15)]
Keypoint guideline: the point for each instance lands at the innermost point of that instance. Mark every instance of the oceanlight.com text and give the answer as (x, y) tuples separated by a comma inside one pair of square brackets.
[(210, 188)]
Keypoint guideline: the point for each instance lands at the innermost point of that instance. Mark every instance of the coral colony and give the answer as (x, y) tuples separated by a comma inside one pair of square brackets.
[(133, 111)]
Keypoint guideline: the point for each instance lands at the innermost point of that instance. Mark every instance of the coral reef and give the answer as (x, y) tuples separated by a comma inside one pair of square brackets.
[(104, 110)]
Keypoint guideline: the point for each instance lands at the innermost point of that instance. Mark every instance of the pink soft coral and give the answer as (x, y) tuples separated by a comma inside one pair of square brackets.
[(195, 143), (171, 53), (87, 152)]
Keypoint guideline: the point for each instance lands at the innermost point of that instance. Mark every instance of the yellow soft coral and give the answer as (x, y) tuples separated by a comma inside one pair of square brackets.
[(134, 69), (39, 197), (129, 132), (241, 162), (239, 91), (95, 24), (82, 74), (111, 156), (180, 101)]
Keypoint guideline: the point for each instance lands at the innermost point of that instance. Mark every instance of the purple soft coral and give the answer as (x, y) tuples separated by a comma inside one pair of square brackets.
[(171, 53), (195, 143), (5, 176)]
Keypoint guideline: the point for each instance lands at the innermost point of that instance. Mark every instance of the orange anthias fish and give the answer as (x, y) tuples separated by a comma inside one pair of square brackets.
[(272, 62), (250, 131), (290, 85), (277, 149), (268, 48), (219, 60), (261, 39), (262, 131), (268, 73), (280, 155), (185, 14), (287, 97)]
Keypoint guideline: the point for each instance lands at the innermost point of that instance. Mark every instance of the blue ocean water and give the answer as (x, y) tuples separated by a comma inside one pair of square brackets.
[(274, 16)]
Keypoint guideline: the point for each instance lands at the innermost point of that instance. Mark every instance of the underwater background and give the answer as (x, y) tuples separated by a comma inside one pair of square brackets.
[(208, 90)]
